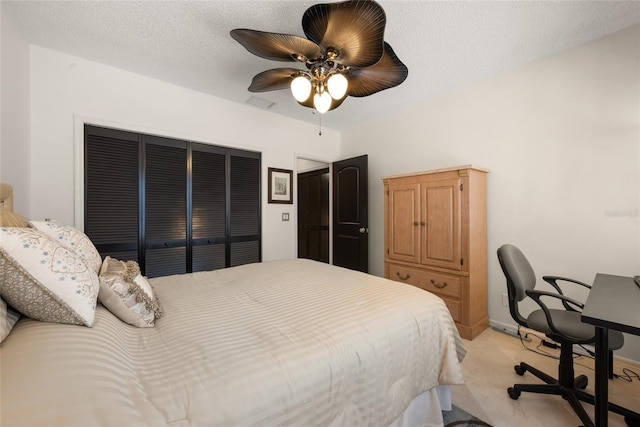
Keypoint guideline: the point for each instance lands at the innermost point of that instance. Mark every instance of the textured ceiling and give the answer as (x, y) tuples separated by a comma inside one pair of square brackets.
[(445, 44)]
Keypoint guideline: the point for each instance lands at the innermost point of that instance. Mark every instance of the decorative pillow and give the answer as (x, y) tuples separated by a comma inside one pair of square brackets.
[(44, 280), (72, 239), (10, 219), (128, 294), (8, 318)]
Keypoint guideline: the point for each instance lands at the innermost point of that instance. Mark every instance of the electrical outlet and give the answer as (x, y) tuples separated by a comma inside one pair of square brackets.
[(285, 216), (505, 300)]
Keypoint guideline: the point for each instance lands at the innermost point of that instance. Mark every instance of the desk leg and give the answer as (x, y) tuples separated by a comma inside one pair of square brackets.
[(602, 374)]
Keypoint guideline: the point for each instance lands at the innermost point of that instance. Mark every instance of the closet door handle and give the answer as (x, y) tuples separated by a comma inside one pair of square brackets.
[(415, 223), (422, 223), (437, 285), (400, 276)]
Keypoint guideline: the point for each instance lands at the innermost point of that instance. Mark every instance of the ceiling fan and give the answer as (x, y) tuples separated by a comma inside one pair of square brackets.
[(344, 53)]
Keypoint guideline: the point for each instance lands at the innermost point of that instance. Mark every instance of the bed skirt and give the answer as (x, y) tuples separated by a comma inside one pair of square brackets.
[(426, 409)]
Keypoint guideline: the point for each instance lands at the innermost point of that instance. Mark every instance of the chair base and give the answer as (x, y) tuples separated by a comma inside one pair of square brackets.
[(571, 391)]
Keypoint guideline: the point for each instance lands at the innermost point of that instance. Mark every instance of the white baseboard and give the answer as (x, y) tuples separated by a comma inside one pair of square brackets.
[(512, 329), (506, 328)]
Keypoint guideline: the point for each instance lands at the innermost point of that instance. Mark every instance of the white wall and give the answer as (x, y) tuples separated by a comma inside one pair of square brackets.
[(561, 138), (67, 89), (14, 113)]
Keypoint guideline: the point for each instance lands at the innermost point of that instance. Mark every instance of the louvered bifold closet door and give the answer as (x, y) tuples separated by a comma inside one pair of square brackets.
[(112, 191), (244, 214), (165, 176), (174, 206), (208, 200)]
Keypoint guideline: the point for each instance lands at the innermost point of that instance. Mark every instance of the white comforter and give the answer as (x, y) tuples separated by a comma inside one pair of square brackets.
[(294, 343)]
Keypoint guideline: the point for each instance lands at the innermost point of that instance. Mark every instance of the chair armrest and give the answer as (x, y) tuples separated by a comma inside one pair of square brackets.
[(536, 296), (553, 281)]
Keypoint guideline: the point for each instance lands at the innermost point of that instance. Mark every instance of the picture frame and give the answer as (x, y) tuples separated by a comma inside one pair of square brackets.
[(280, 186)]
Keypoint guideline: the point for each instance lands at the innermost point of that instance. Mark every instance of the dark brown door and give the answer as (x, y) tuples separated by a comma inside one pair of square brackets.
[(313, 215), (350, 214)]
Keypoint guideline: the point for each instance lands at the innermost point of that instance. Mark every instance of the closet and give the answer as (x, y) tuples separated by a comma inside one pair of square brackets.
[(174, 206), (436, 239)]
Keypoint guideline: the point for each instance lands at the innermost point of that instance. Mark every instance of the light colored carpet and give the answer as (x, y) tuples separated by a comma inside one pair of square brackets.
[(488, 372)]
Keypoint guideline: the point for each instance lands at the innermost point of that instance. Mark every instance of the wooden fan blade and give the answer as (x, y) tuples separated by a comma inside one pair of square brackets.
[(335, 103), (387, 73), (354, 28), (276, 79), (277, 47)]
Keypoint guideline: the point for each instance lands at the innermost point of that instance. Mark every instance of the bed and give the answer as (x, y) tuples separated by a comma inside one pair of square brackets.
[(287, 343)]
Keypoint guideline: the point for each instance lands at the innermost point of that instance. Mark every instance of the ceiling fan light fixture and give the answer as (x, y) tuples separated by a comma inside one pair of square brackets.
[(301, 88), (337, 85), (344, 52), (322, 102)]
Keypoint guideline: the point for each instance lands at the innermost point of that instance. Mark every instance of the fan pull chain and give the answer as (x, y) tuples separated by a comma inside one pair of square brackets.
[(320, 124)]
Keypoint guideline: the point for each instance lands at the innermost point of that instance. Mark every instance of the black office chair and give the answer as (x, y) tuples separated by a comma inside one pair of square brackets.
[(561, 325)]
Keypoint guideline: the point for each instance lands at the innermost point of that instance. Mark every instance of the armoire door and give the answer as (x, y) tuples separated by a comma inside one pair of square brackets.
[(404, 222), (440, 235)]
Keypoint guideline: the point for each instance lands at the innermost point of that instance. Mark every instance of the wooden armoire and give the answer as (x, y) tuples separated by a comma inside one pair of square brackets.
[(436, 239)]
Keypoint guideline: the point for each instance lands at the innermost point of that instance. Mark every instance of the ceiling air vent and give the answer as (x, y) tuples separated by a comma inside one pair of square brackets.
[(259, 102)]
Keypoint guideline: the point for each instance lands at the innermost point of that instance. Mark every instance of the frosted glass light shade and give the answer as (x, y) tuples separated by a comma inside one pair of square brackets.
[(337, 86), (301, 88), (322, 102)]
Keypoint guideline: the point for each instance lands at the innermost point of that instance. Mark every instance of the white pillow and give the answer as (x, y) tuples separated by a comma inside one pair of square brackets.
[(44, 280), (128, 294), (72, 239)]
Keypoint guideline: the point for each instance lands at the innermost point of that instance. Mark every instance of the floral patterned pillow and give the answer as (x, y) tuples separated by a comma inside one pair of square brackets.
[(72, 239), (128, 294), (44, 280)]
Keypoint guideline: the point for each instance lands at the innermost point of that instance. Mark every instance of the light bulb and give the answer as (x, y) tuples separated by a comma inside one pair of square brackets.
[(322, 102), (301, 88), (337, 85)]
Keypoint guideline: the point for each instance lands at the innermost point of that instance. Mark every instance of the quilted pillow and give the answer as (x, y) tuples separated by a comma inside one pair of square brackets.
[(128, 294), (44, 280), (72, 239), (8, 318)]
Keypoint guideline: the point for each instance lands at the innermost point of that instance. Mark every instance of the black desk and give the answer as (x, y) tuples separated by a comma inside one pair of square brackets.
[(613, 303)]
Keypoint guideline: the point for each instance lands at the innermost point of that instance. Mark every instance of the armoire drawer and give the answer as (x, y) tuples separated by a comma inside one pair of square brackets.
[(438, 283)]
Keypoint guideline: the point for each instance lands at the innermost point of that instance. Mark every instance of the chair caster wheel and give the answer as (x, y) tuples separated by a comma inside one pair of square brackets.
[(513, 393), (519, 370), (631, 422)]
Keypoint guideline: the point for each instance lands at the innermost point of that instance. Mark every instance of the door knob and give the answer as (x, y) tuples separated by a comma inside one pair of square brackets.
[(363, 230)]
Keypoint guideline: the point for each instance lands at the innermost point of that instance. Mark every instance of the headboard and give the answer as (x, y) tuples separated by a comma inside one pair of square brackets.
[(6, 196), (7, 217)]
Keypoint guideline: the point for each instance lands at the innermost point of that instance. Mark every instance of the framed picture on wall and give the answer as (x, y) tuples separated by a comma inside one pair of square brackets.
[(280, 186)]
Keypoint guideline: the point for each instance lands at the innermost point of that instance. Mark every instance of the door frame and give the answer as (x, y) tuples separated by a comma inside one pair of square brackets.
[(329, 164)]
